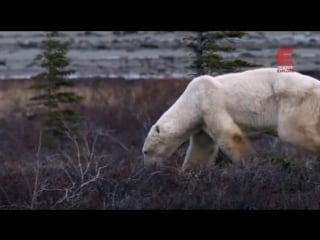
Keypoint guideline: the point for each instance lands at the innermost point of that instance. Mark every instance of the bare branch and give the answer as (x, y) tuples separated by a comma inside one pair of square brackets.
[(104, 133), (35, 186)]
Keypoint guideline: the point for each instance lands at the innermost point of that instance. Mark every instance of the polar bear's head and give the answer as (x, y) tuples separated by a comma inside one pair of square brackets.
[(159, 145)]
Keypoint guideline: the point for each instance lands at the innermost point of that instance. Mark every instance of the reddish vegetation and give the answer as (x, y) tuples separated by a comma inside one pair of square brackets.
[(106, 171)]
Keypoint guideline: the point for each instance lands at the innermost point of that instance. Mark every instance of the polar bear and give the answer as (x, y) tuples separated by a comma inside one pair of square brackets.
[(220, 112)]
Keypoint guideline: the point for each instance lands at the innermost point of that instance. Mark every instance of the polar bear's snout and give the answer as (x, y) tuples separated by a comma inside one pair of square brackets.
[(149, 159), (154, 152)]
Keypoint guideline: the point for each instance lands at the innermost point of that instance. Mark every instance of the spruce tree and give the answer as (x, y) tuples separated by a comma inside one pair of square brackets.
[(51, 88), (207, 48)]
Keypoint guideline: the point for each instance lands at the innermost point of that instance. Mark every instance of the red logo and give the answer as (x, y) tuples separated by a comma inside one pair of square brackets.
[(285, 64)]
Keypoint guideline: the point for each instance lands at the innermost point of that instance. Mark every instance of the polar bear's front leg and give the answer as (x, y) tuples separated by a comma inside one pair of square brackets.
[(228, 135), (202, 150)]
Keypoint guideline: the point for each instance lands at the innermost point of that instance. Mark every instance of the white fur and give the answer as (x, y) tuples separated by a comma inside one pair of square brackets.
[(220, 111)]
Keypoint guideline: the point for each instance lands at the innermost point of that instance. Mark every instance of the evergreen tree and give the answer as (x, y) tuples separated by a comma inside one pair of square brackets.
[(51, 87), (207, 47)]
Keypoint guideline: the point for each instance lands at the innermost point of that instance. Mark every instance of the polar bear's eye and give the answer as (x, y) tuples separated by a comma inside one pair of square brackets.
[(157, 129), (147, 152)]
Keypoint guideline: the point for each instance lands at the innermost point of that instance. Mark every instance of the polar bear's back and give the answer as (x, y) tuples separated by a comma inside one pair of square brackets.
[(260, 78), (251, 96), (293, 82), (262, 83)]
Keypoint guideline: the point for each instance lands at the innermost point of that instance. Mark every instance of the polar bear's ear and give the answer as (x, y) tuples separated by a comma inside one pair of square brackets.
[(157, 128)]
